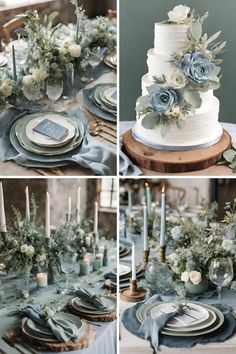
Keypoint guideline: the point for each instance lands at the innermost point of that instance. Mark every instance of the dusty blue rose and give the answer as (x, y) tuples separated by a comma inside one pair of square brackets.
[(197, 67), (163, 98)]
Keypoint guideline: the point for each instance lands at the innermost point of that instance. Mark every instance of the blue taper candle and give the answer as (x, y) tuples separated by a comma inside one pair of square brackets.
[(14, 63)]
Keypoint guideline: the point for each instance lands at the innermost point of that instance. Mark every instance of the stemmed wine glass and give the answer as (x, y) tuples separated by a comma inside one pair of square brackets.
[(221, 274), (96, 56), (54, 89), (67, 266)]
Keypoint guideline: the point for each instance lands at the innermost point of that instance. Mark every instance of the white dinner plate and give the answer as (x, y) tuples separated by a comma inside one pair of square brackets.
[(194, 314), (43, 140), (86, 310), (110, 94)]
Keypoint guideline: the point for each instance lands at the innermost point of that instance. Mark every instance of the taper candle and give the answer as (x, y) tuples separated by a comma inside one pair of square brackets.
[(148, 198), (14, 63), (3, 227), (163, 216), (78, 205), (95, 229), (69, 208), (129, 201), (27, 204), (145, 228), (133, 263), (47, 223)]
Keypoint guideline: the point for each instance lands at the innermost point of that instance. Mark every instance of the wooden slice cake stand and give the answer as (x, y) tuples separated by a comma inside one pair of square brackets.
[(174, 161)]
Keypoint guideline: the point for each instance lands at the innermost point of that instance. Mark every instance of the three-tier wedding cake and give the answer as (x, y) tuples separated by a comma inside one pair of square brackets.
[(177, 109)]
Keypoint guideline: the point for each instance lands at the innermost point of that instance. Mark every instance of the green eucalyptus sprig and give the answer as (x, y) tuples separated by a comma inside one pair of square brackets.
[(229, 158)]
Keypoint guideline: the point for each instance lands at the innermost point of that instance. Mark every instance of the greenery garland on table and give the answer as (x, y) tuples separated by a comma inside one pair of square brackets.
[(49, 57)]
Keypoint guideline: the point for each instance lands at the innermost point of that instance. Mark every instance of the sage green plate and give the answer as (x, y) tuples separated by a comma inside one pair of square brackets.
[(145, 311), (19, 129), (97, 99)]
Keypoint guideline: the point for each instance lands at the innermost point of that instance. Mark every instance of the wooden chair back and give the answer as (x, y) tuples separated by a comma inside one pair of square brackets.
[(10, 27)]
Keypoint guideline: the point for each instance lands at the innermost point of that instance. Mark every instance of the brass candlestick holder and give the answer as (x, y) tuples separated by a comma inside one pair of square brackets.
[(133, 294), (145, 260), (162, 254)]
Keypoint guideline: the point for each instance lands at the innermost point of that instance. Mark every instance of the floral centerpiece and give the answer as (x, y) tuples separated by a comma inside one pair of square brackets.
[(50, 57), (195, 70)]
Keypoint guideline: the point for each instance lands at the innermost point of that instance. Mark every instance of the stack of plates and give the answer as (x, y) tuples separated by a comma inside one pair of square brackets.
[(23, 136), (3, 60), (199, 318), (34, 331), (113, 59), (105, 97), (124, 250), (84, 307)]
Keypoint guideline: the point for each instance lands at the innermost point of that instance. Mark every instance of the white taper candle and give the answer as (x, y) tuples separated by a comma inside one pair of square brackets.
[(3, 226), (163, 216), (27, 204), (133, 263), (47, 223), (78, 205), (145, 228)]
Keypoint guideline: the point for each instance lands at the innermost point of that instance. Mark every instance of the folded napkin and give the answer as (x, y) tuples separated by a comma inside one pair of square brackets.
[(151, 327), (63, 329), (90, 298)]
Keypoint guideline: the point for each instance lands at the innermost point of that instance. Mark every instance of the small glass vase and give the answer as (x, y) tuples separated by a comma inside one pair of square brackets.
[(68, 89), (159, 278)]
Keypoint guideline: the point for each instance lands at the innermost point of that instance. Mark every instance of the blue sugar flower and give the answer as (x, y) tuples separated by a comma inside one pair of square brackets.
[(164, 98), (197, 67)]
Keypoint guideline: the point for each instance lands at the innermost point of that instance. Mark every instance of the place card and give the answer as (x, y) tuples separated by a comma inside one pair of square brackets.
[(51, 129)]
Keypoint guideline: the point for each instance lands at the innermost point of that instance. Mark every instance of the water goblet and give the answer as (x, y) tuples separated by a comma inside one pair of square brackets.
[(54, 89), (96, 56), (221, 274), (67, 266)]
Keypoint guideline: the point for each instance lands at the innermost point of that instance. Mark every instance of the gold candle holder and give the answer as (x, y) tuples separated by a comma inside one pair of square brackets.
[(133, 294), (162, 254)]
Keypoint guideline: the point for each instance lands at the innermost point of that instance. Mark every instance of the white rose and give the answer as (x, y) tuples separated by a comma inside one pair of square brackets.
[(74, 50), (30, 251), (179, 14), (41, 258), (24, 248), (6, 89), (176, 79), (39, 74), (185, 276), (176, 233), (28, 80), (195, 277)]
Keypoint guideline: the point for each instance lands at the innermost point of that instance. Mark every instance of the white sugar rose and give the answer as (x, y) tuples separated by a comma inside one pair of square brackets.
[(179, 14), (39, 74), (74, 50), (195, 277), (6, 89), (28, 80), (185, 276), (176, 79), (176, 233), (24, 248)]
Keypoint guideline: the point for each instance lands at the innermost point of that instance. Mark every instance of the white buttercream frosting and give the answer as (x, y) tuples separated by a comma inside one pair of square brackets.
[(170, 38), (200, 127)]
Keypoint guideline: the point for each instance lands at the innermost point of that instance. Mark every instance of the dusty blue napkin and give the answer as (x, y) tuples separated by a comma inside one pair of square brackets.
[(63, 329), (90, 298)]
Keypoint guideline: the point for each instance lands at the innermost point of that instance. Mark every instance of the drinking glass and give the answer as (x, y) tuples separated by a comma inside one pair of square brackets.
[(68, 89), (67, 266), (54, 89), (221, 273), (96, 56)]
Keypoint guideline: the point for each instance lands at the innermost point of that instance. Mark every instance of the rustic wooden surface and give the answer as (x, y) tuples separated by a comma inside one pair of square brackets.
[(83, 343), (174, 161)]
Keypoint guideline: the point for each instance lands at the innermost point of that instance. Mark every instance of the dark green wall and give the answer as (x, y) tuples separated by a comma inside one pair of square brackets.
[(137, 18)]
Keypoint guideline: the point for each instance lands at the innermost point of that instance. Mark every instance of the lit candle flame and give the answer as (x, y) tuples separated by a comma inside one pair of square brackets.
[(146, 184), (163, 189)]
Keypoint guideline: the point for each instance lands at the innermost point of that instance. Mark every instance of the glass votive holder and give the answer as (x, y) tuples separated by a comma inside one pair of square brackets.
[(96, 263), (42, 280), (85, 266)]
